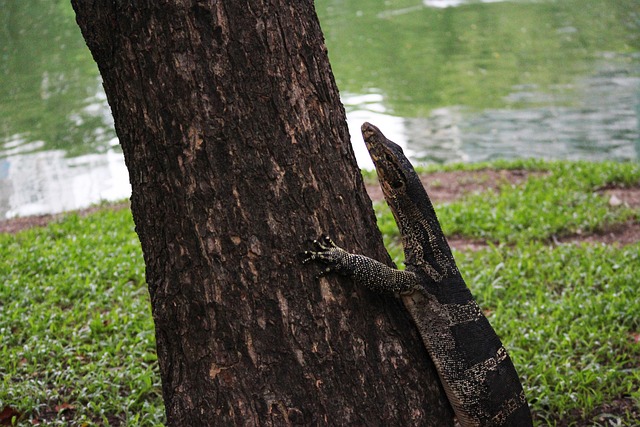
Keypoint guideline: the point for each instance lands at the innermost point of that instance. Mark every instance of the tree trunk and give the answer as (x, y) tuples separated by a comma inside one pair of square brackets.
[(238, 153)]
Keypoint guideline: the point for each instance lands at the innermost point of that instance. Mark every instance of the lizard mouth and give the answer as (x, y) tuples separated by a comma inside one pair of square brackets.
[(369, 131)]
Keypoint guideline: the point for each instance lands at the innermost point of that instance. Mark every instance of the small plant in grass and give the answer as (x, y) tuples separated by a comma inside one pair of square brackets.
[(77, 340), (562, 202), (568, 314)]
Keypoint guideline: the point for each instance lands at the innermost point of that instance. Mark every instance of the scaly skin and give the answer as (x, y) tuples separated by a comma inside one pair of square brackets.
[(478, 376)]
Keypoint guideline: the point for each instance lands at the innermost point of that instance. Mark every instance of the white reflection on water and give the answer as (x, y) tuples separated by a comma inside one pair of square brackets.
[(593, 118), (435, 4), (48, 182), (602, 122), (370, 108), (441, 4)]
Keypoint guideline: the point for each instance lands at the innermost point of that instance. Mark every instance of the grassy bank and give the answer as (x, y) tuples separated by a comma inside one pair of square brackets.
[(77, 341)]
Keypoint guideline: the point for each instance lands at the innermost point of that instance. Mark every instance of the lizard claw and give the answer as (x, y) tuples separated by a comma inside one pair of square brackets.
[(307, 256), (324, 242), (323, 245), (322, 273)]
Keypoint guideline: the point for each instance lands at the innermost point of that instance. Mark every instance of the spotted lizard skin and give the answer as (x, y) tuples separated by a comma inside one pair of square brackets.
[(476, 372)]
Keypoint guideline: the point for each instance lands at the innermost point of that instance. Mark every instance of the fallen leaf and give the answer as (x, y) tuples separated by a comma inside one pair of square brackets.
[(7, 414), (614, 201), (64, 407)]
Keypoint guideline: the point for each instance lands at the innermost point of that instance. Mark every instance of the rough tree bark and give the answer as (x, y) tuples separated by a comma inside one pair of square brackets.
[(238, 153)]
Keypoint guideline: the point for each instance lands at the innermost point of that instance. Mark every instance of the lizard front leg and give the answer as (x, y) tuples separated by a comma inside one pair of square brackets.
[(361, 269)]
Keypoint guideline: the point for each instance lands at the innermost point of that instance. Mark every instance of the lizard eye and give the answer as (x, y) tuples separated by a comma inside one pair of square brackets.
[(397, 184), (390, 169)]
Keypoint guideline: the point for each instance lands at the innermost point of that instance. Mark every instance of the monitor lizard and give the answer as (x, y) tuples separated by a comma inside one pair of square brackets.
[(476, 372)]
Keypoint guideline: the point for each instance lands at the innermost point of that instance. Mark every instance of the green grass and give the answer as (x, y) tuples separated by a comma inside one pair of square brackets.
[(77, 340), (75, 324), (564, 201), (568, 314), (561, 201)]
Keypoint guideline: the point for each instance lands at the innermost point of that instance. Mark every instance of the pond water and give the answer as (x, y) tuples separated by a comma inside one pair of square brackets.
[(450, 80)]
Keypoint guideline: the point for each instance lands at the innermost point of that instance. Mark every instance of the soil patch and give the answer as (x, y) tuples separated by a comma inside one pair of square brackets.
[(449, 186), (617, 234), (608, 414), (442, 187), (622, 196), (14, 225), (466, 244)]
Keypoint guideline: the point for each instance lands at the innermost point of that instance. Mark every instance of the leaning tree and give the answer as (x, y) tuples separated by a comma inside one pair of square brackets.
[(238, 153)]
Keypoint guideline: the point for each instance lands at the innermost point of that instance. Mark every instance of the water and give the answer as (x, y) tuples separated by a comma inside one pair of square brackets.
[(450, 80)]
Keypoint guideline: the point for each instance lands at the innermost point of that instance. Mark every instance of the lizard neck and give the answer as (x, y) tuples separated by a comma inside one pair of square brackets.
[(425, 246)]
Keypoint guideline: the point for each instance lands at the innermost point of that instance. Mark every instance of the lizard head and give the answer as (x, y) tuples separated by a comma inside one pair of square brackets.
[(395, 173), (425, 246)]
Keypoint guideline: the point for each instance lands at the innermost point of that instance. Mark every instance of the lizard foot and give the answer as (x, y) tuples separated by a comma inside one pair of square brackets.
[(326, 252)]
